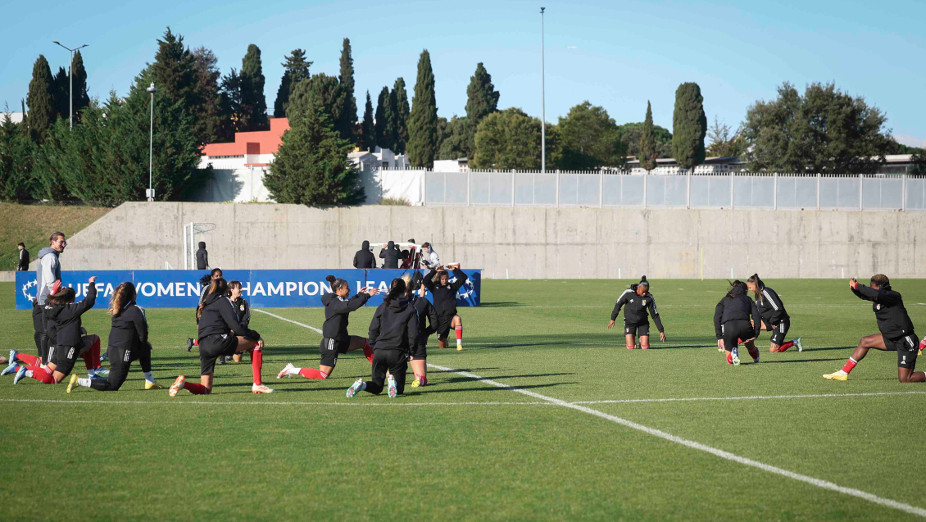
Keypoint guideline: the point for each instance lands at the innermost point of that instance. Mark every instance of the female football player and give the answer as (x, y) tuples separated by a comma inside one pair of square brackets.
[(639, 304)]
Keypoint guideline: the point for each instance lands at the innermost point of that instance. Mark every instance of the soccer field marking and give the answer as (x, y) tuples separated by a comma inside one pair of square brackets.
[(297, 323), (750, 397), (726, 455)]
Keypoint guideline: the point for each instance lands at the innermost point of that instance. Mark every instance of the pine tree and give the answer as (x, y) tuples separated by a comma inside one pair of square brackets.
[(647, 155), (81, 96), (367, 128), (689, 126), (348, 115), (422, 122), (232, 108), (60, 94), (210, 122), (40, 100), (402, 111), (481, 100), (295, 69), (322, 92), (252, 91), (173, 70), (380, 125)]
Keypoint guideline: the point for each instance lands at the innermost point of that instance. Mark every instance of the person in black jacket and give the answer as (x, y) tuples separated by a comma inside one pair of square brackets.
[(364, 257), (242, 309), (732, 317), (393, 332), (23, 258), (774, 316), (896, 331), (639, 304), (202, 257), (65, 338), (391, 255), (128, 341), (204, 283), (335, 339), (445, 301), (220, 333), (427, 324)]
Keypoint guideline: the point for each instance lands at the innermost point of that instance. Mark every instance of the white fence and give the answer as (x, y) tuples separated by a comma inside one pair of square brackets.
[(691, 190)]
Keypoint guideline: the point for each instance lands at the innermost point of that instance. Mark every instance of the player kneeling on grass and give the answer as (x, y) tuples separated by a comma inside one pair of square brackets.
[(896, 331), (128, 341), (732, 317), (445, 301), (774, 316), (393, 332), (63, 330), (335, 339), (639, 304), (427, 324), (220, 334)]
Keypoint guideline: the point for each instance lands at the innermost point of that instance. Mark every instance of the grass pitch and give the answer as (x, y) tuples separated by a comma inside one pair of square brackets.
[(467, 449)]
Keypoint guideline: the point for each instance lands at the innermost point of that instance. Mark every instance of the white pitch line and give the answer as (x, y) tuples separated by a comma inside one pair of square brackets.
[(749, 398), (286, 403)]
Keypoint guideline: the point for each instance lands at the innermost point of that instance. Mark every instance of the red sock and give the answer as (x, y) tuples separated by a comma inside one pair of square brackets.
[(644, 346), (30, 360), (41, 374), (785, 346), (195, 388), (86, 357), (312, 373), (95, 353), (850, 364), (368, 351), (195, 342), (739, 341), (257, 360), (459, 331)]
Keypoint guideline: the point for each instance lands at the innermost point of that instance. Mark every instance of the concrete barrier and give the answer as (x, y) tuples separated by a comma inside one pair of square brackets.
[(518, 242)]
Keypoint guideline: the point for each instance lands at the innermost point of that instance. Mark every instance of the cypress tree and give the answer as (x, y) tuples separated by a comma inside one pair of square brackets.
[(60, 93), (481, 100), (402, 111), (173, 70), (380, 125), (81, 96), (647, 154), (252, 91), (689, 126), (323, 92), (40, 100), (422, 123), (295, 69), (348, 115), (210, 124), (367, 128)]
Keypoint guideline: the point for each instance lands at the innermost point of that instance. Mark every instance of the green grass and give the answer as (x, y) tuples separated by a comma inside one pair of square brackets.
[(32, 224), (463, 449)]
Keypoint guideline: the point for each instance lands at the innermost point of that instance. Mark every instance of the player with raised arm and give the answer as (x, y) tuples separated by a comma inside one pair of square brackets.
[(896, 331), (774, 316), (427, 324), (638, 303), (445, 301), (732, 317)]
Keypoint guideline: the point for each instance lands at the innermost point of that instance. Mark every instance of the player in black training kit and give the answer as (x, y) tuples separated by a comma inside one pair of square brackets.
[(128, 341), (732, 317), (896, 331), (427, 324), (393, 332), (774, 316), (445, 301), (638, 303)]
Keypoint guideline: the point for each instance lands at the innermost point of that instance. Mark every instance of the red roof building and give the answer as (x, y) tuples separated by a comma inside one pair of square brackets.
[(250, 145)]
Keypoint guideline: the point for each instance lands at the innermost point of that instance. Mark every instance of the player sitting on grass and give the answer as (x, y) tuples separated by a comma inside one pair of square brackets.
[(639, 305), (896, 331)]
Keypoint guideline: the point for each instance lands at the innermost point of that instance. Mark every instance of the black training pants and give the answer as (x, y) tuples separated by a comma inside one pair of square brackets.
[(120, 360), (396, 361), (38, 324)]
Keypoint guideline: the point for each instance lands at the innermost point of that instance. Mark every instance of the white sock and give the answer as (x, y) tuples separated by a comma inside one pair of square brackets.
[(459, 342), (83, 382), (29, 373), (363, 385), (293, 371), (149, 377)]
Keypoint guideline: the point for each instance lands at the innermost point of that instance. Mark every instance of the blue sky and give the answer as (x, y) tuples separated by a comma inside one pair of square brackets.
[(615, 54)]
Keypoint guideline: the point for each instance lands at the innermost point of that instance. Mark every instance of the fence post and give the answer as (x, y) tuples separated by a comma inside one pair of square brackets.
[(860, 177), (688, 189), (775, 189), (903, 192), (645, 174), (818, 191)]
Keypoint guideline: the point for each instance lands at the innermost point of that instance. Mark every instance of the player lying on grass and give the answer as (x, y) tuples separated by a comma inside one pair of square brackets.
[(638, 304), (896, 331), (427, 324), (774, 316), (220, 334), (732, 317), (445, 301), (128, 341), (393, 331), (64, 333), (335, 339)]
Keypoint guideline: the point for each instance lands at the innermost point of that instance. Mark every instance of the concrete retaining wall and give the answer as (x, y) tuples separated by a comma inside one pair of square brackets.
[(519, 242)]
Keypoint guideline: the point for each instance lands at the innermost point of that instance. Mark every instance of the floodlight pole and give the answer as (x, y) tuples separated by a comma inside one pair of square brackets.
[(151, 89), (71, 82), (543, 102)]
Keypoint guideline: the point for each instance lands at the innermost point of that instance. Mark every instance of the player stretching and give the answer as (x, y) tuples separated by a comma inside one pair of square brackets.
[(445, 301), (638, 302), (896, 331), (774, 316), (731, 322)]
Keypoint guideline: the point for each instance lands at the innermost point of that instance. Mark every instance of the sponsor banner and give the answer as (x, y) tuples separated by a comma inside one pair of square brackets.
[(262, 288)]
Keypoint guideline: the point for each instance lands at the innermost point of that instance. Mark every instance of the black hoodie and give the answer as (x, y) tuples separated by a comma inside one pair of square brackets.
[(129, 329), (737, 308), (893, 321), (219, 317), (364, 258), (394, 326), (391, 254), (62, 322), (636, 308), (202, 257), (770, 307), (336, 310), (445, 296)]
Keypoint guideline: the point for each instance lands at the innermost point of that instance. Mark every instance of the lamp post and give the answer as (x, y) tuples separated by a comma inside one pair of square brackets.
[(151, 89), (70, 81), (543, 103)]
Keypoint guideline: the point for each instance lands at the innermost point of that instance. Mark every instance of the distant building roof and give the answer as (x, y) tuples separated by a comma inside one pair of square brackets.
[(257, 142)]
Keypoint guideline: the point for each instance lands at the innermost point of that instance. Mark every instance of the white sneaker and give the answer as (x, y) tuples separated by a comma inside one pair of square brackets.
[(287, 370), (176, 386), (260, 388), (354, 388), (735, 357), (393, 390), (800, 347)]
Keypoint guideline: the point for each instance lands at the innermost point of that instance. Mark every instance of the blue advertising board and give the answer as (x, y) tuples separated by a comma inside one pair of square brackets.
[(262, 288)]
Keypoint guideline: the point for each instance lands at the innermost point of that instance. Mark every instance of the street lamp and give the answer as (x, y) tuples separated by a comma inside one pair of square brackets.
[(71, 81), (543, 103), (150, 193)]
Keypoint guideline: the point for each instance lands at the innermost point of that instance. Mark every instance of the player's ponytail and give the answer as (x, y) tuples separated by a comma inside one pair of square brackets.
[(407, 278), (734, 286), (335, 282), (754, 278), (396, 289), (217, 286), (124, 294)]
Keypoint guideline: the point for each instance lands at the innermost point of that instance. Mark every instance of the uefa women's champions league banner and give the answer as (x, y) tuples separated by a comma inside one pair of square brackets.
[(262, 288)]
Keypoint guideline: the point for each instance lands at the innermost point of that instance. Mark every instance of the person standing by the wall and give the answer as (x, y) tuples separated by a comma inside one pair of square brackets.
[(202, 257), (391, 254), (23, 258), (364, 257)]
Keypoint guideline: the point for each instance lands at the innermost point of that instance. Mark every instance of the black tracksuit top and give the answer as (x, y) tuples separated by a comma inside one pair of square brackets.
[(770, 307), (63, 321), (391, 256), (129, 329), (445, 296), (427, 318), (336, 310), (219, 317), (737, 308), (394, 326), (364, 258), (636, 308), (242, 310), (893, 321)]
